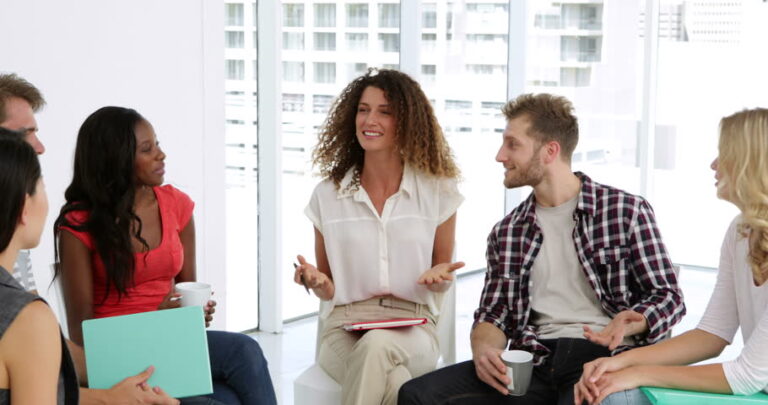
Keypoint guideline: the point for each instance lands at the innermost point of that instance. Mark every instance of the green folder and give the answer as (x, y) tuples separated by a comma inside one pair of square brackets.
[(666, 396), (172, 340)]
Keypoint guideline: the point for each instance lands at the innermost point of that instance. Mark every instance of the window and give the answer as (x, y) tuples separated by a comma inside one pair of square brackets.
[(293, 102), (293, 71), (389, 15), (321, 103), (325, 41), (574, 77), (233, 13), (389, 42), (293, 15), (355, 70), (325, 72), (325, 15), (293, 41), (235, 69), (234, 39), (429, 16), (428, 70), (357, 42), (357, 15)]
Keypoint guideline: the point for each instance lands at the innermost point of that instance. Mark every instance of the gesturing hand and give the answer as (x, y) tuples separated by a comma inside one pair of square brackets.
[(625, 323), (312, 276), (439, 273)]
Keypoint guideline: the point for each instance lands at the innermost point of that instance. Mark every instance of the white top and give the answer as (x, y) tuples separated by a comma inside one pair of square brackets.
[(372, 255), (562, 301), (737, 302)]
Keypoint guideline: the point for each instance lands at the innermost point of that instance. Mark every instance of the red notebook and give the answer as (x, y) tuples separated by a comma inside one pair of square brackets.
[(384, 324)]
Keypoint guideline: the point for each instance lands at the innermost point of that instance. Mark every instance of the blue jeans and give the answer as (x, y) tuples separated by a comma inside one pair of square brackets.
[(628, 397), (552, 381), (239, 371)]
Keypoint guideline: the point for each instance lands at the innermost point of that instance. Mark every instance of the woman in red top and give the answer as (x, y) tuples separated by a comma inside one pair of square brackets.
[(124, 240)]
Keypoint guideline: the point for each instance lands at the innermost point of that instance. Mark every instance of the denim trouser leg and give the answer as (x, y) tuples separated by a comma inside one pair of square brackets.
[(628, 397), (238, 363)]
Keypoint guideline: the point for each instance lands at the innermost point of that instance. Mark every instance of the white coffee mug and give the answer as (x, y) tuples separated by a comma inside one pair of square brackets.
[(194, 293)]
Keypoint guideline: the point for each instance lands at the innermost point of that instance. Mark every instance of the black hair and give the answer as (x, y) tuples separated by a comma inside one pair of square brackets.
[(19, 173), (103, 185)]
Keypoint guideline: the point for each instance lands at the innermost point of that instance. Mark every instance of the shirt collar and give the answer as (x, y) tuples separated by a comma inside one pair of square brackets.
[(585, 204), (348, 189), (7, 279)]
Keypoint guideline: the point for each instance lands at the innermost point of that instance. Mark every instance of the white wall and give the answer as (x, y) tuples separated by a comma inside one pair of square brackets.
[(163, 58)]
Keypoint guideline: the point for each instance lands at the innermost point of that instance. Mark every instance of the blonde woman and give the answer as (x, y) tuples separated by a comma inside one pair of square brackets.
[(384, 221), (740, 298)]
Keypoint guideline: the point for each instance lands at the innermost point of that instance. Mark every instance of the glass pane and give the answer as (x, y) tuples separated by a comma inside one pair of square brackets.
[(568, 56), (241, 164), (698, 42), (311, 81), (464, 56)]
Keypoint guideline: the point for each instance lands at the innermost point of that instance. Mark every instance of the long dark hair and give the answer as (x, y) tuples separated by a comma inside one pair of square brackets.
[(103, 185), (19, 173)]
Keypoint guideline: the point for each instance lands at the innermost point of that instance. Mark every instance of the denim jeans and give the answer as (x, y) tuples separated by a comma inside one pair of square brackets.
[(552, 381), (628, 397), (239, 371)]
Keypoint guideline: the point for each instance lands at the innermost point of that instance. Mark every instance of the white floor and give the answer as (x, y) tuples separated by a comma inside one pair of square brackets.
[(292, 351)]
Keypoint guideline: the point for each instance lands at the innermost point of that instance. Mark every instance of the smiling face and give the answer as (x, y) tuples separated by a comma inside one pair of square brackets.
[(375, 123), (148, 166), (520, 155), (20, 116)]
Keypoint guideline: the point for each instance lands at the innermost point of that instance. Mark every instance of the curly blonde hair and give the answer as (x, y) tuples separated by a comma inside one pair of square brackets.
[(419, 137), (743, 158)]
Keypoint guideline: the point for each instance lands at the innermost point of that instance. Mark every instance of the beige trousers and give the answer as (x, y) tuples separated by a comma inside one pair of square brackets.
[(371, 366)]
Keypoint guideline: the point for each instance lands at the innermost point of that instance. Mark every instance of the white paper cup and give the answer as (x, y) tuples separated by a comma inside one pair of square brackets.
[(194, 293), (519, 369)]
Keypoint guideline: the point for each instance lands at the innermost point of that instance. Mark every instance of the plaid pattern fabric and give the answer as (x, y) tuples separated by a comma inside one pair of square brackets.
[(22, 271), (621, 254)]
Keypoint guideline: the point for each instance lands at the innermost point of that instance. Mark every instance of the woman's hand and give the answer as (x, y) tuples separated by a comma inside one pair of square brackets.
[(587, 389), (135, 390), (439, 273), (172, 300), (209, 309), (312, 277), (611, 382)]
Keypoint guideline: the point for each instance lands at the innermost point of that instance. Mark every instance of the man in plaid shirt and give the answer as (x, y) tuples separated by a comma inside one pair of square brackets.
[(577, 271)]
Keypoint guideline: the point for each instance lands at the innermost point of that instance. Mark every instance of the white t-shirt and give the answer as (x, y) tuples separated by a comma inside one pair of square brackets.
[(737, 302), (372, 255)]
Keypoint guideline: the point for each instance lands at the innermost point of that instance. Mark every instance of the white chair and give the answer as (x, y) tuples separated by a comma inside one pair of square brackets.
[(315, 386)]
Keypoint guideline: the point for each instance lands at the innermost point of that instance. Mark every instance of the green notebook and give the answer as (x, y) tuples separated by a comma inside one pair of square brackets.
[(666, 396), (172, 340)]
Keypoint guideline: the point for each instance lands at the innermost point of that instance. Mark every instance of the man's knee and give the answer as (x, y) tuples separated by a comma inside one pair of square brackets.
[(410, 392)]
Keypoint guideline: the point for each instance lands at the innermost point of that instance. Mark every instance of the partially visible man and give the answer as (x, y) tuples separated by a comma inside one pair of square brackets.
[(19, 101), (577, 271)]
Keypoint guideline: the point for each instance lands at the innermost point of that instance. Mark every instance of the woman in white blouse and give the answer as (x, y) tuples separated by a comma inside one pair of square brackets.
[(740, 298), (384, 221)]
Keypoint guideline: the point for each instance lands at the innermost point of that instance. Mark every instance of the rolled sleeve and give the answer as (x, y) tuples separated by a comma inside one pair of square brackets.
[(661, 300), (312, 211), (450, 199), (493, 307)]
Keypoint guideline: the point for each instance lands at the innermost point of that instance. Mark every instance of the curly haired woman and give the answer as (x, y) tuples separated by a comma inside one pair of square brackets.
[(384, 221), (740, 299)]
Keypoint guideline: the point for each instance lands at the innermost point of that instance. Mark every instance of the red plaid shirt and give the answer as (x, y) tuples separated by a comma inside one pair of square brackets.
[(621, 254)]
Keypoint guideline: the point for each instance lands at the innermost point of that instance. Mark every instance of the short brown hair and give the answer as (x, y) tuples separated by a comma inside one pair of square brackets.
[(551, 119), (11, 85)]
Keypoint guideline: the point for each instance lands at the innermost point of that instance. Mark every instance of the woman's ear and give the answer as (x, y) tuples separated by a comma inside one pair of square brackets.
[(24, 217)]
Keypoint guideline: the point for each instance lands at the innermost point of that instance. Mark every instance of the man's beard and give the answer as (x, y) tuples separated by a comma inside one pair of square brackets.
[(530, 176)]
